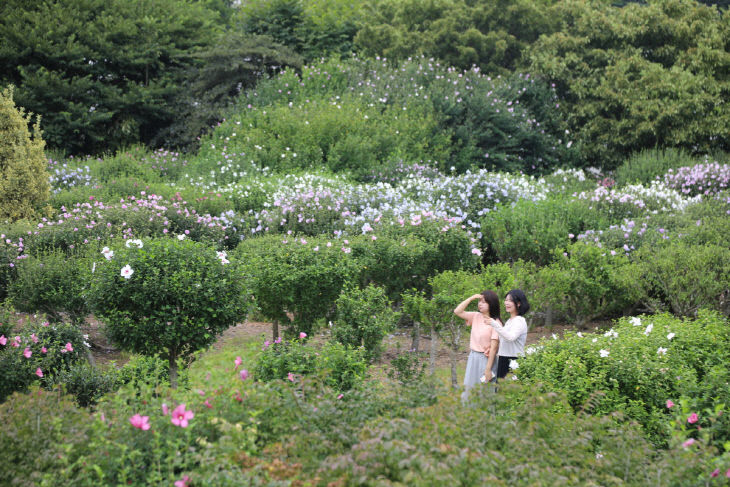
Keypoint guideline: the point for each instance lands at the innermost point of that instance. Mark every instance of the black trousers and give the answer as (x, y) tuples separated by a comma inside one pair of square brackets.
[(503, 366)]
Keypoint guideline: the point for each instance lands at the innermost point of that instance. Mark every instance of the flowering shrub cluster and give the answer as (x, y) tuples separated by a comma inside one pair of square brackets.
[(65, 177), (701, 179), (37, 353), (636, 366)]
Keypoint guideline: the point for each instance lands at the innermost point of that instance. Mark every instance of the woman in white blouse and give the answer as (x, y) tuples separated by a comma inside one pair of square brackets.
[(513, 333)]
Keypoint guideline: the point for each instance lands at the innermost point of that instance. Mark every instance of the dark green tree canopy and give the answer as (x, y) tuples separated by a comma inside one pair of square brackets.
[(100, 72)]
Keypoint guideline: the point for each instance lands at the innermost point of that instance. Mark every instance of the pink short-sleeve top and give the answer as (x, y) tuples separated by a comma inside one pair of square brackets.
[(481, 333)]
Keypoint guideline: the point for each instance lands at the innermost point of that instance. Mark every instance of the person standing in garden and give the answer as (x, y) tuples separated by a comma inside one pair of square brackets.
[(483, 341), (513, 334)]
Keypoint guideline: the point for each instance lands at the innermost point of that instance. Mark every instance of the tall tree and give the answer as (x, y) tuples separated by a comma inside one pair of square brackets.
[(102, 73)]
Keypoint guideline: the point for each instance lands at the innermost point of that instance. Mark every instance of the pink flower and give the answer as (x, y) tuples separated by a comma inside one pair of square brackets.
[(692, 419), (183, 482), (689, 442), (715, 473), (244, 374), (208, 404), (266, 345), (27, 353), (290, 377), (44, 350), (180, 416), (68, 347), (3, 340), (278, 340), (34, 338), (39, 372), (140, 422), (16, 342), (670, 404), (727, 474), (165, 409), (339, 396), (302, 335), (238, 362)]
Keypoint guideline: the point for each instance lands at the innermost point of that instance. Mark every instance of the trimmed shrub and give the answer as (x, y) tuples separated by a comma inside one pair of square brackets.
[(298, 276), (52, 282), (586, 282), (24, 186), (364, 317), (684, 278), (167, 296)]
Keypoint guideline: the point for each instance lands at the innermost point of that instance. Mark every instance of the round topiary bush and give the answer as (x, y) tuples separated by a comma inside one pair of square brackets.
[(24, 185), (166, 296)]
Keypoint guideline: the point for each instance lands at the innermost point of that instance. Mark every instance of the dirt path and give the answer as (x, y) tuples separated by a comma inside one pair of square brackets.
[(104, 353)]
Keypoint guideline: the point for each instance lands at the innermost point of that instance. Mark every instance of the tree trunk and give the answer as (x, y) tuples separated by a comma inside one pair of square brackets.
[(275, 329), (432, 353), (452, 359), (549, 318), (416, 336), (173, 370)]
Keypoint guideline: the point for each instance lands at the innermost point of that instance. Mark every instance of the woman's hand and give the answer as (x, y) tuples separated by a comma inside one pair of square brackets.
[(488, 375), (476, 296)]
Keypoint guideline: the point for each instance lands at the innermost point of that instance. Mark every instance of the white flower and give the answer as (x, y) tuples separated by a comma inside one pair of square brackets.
[(221, 254), (670, 336), (513, 365), (93, 267), (554, 336), (476, 251), (530, 350), (661, 351), (599, 456), (604, 353), (181, 236), (579, 334), (594, 340), (514, 377), (105, 250), (225, 261), (127, 271), (635, 321), (648, 329), (137, 243), (611, 333)]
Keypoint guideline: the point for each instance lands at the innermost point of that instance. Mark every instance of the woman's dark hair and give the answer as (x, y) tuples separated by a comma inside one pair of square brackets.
[(493, 301), (520, 300)]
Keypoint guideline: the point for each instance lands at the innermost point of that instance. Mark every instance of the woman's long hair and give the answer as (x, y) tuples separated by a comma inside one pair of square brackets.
[(493, 301)]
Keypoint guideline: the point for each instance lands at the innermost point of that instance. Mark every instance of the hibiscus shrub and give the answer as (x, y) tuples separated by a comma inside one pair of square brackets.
[(299, 276), (168, 296), (36, 354), (364, 317), (341, 367), (636, 366)]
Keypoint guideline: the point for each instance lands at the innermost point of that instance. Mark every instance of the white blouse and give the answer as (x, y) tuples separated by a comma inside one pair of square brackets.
[(513, 335)]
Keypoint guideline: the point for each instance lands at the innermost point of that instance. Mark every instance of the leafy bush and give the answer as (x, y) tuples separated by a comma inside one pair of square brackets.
[(364, 317), (686, 277), (407, 367), (169, 296), (41, 426), (52, 282), (532, 230), (24, 183), (295, 275), (636, 367), (85, 383), (340, 366), (37, 354), (649, 164), (586, 282)]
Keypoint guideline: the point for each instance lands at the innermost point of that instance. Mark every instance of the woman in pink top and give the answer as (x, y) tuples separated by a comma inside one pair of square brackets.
[(483, 341)]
